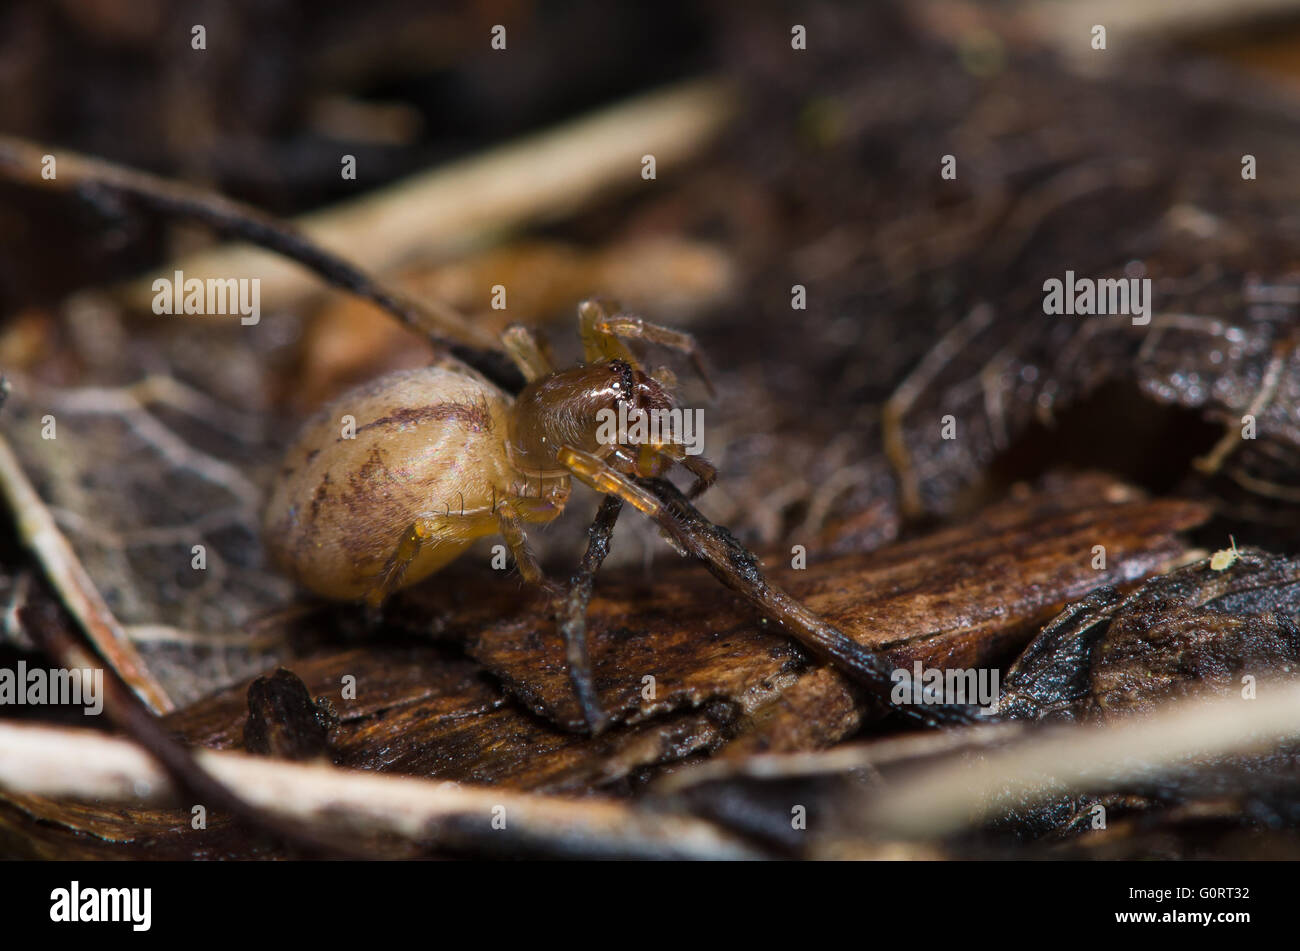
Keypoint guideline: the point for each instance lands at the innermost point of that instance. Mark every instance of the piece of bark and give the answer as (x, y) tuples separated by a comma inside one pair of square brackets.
[(1190, 631), (421, 711), (284, 721), (962, 597)]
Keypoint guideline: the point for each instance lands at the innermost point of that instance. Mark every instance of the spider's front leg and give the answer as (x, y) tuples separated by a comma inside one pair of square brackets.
[(603, 328), (595, 473), (642, 465)]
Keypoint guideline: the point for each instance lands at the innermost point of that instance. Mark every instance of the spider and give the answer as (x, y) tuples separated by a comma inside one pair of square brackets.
[(395, 479)]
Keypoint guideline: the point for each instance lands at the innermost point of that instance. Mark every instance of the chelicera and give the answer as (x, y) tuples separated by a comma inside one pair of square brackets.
[(395, 479)]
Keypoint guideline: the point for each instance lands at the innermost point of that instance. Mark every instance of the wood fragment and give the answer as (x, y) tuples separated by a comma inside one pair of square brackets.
[(963, 597)]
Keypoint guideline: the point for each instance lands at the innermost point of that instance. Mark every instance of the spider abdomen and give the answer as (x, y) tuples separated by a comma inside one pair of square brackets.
[(364, 468)]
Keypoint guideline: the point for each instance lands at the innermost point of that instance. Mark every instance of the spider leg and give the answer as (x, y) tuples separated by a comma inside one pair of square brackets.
[(603, 332), (510, 519), (704, 471), (570, 604), (597, 344), (527, 351), (597, 474), (426, 526), (642, 464), (665, 377), (459, 529)]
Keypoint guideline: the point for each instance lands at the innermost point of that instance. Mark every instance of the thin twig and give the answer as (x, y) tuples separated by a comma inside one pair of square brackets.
[(842, 759), (737, 568), (45, 625), (51, 761), (571, 618), (21, 162), (959, 791)]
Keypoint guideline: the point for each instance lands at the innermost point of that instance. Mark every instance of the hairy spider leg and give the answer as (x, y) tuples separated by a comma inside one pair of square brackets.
[(506, 517), (527, 351), (603, 328), (599, 345), (704, 471), (427, 526)]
